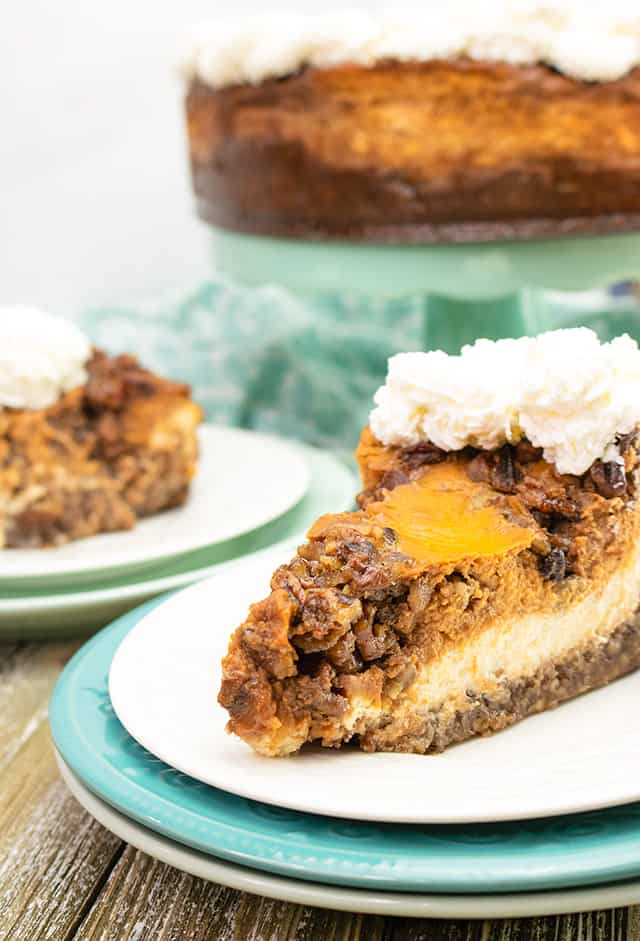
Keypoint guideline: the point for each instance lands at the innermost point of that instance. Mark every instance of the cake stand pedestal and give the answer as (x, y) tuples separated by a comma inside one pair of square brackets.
[(498, 289)]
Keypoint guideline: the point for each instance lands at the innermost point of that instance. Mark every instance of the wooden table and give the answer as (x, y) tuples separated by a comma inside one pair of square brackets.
[(64, 876)]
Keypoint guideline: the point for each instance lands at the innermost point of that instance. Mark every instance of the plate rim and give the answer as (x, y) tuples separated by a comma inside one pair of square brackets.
[(243, 785), (366, 901), (265, 840), (62, 571), (166, 584), (145, 587)]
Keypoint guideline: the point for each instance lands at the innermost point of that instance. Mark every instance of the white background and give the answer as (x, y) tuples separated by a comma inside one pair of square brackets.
[(95, 205)]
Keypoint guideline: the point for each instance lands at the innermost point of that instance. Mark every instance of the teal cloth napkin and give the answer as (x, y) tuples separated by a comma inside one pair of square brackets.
[(262, 358)]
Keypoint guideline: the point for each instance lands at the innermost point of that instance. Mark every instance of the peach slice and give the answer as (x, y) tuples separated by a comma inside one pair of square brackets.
[(443, 516)]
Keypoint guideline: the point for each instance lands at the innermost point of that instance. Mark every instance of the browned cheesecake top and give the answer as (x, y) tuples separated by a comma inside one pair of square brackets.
[(418, 152)]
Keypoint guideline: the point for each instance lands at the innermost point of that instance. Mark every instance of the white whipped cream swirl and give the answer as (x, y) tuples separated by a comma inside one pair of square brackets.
[(565, 391), (41, 357), (586, 40)]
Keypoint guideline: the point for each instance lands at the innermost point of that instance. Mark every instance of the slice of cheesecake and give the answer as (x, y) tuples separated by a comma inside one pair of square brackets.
[(477, 584), (87, 444)]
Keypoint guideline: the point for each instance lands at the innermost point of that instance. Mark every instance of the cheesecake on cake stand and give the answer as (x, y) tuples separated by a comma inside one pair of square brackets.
[(477, 157)]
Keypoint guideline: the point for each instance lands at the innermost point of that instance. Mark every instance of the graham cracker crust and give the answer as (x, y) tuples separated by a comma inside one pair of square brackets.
[(583, 670)]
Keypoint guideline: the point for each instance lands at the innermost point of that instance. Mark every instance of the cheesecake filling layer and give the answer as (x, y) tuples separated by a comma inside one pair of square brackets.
[(512, 669), (521, 647)]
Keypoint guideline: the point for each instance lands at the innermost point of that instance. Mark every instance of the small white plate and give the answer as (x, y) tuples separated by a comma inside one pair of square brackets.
[(54, 613), (163, 682), (244, 480), (513, 905)]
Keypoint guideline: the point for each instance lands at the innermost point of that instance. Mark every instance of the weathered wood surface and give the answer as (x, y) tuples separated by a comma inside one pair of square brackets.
[(63, 876)]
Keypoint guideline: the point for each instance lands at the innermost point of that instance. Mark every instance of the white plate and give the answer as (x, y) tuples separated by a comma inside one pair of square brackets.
[(51, 613), (163, 682), (514, 905), (244, 480)]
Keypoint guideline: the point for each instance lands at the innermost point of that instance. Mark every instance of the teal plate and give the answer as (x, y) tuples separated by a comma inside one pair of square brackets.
[(507, 857)]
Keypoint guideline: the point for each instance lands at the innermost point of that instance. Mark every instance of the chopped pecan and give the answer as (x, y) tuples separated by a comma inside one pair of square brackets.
[(359, 555), (315, 695), (496, 468), (526, 453), (549, 498), (478, 468), (401, 681), (266, 634), (554, 566), (284, 577), (112, 380), (393, 478), (375, 640), (609, 478), (325, 615), (344, 656), (421, 454), (503, 476)]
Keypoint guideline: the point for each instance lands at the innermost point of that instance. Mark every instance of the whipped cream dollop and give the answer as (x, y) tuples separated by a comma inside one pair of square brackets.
[(564, 391), (587, 40), (41, 357)]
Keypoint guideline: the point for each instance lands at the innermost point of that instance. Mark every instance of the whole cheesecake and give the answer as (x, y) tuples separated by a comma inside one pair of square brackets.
[(446, 123)]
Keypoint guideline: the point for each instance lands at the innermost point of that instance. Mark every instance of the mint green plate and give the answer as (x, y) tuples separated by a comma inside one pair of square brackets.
[(64, 611), (369, 901), (525, 856)]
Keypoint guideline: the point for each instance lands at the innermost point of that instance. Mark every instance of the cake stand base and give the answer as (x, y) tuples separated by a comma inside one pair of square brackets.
[(450, 323)]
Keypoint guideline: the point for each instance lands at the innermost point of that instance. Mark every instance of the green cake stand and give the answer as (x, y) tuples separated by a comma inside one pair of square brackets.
[(497, 289)]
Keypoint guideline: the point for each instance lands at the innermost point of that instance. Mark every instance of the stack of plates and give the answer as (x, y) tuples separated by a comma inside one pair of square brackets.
[(539, 819), (252, 491)]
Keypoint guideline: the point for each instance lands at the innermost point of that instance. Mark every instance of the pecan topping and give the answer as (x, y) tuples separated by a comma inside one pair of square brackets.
[(112, 381), (503, 476), (394, 478), (360, 554), (526, 453), (421, 454), (554, 566), (496, 467), (609, 478), (325, 616)]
